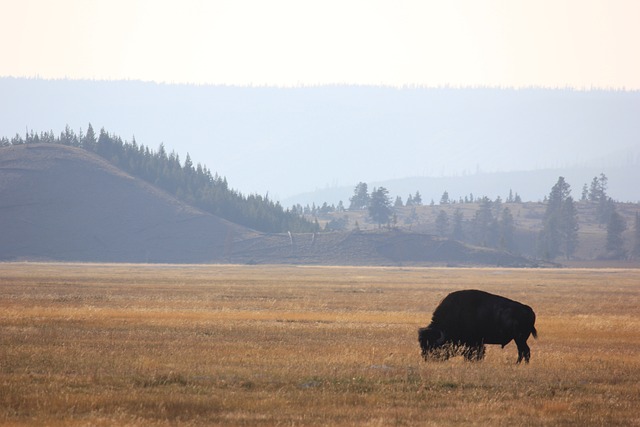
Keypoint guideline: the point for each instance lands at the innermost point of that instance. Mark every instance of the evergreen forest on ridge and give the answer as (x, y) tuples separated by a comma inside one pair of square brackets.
[(193, 184)]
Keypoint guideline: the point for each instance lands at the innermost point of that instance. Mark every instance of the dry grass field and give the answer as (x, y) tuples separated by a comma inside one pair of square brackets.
[(84, 344)]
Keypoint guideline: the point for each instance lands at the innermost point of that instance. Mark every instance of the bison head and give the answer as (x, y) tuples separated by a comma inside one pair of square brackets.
[(430, 339)]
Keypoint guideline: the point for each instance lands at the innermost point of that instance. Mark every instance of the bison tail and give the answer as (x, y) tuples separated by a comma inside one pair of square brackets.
[(534, 332)]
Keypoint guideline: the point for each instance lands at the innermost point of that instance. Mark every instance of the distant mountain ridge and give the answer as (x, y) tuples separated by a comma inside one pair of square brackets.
[(291, 141), (531, 185)]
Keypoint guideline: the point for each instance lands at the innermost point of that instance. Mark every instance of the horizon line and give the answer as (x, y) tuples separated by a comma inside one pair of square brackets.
[(300, 85)]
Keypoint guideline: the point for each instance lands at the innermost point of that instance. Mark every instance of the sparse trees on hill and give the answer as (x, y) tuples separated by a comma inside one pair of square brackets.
[(414, 199), (513, 198)]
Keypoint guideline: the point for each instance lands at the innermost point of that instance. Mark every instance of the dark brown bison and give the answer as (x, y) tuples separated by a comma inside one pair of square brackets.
[(467, 320)]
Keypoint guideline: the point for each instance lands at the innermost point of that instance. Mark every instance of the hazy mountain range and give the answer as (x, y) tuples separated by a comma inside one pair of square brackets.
[(292, 141)]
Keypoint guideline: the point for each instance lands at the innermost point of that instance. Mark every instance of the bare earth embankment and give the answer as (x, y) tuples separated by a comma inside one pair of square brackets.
[(89, 344)]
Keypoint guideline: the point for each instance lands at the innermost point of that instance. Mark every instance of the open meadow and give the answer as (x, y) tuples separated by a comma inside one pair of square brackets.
[(96, 344)]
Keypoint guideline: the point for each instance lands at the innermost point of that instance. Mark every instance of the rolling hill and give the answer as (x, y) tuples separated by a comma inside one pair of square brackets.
[(65, 204), (60, 203)]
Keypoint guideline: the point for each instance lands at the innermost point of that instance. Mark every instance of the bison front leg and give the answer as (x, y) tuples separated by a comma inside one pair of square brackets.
[(523, 350)]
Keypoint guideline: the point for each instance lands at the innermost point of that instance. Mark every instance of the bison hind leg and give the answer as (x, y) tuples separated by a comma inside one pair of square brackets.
[(523, 351)]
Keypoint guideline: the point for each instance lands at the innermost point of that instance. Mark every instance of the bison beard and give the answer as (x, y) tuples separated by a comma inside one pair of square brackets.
[(467, 320)]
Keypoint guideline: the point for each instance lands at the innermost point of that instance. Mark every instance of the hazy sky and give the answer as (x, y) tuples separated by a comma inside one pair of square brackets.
[(505, 43)]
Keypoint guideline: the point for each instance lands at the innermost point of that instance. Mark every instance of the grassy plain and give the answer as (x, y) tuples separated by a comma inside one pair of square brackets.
[(84, 344)]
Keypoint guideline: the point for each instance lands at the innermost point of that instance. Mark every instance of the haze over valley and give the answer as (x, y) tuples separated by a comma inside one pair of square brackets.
[(313, 144)]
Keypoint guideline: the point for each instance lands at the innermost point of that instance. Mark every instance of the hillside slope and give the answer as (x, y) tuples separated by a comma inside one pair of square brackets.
[(65, 204)]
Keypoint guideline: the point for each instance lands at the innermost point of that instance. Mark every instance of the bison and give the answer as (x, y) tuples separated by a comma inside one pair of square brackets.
[(467, 320)]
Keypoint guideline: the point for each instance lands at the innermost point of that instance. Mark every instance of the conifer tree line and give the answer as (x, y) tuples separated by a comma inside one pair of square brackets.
[(492, 225), (194, 184)]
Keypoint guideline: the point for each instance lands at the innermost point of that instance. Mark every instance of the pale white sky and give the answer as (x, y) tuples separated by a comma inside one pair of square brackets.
[(504, 43)]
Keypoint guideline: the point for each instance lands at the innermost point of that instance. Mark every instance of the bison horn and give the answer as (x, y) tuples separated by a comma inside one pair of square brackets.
[(440, 340)]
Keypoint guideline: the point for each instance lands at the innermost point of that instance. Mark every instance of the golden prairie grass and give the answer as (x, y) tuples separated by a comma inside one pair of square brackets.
[(84, 344)]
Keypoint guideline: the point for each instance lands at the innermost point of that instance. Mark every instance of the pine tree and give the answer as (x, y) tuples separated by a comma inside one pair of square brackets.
[(585, 193), (507, 230), (483, 224), (89, 141), (603, 183), (442, 223), (615, 241), (594, 190), (598, 194), (635, 252), (559, 234), (380, 206), (569, 226), (417, 199), (458, 233), (444, 200), (188, 164), (68, 137), (361, 198), (103, 146)]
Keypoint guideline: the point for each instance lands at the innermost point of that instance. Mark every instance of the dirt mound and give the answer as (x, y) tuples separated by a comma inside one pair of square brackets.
[(66, 204), (380, 247)]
